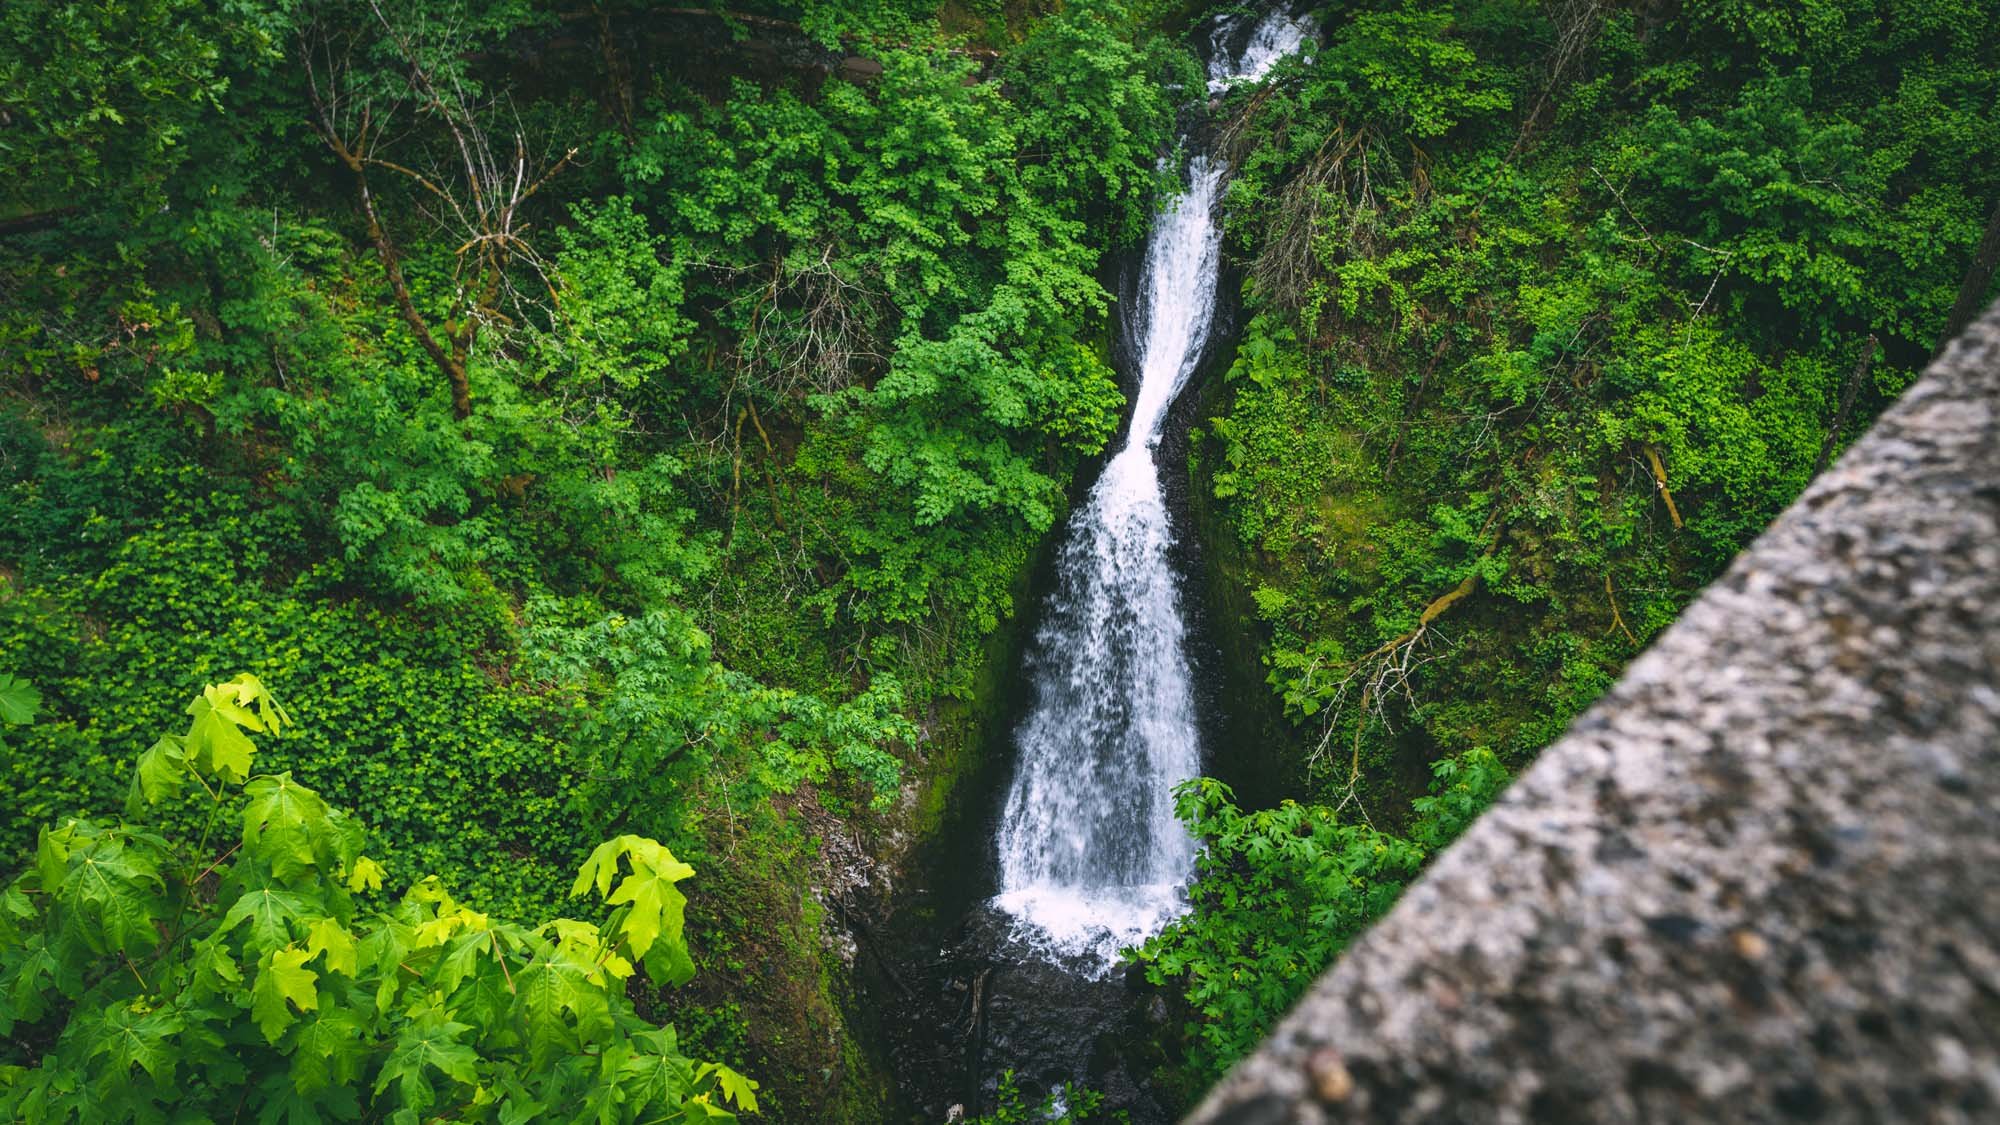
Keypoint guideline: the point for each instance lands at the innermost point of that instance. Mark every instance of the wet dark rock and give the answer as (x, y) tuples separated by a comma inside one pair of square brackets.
[(1760, 879), (984, 1005)]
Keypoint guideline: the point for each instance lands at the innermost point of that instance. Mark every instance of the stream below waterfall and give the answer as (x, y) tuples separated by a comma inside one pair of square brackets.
[(1001, 952)]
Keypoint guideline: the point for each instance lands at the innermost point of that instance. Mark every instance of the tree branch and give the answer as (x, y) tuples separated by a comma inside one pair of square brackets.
[(1660, 482)]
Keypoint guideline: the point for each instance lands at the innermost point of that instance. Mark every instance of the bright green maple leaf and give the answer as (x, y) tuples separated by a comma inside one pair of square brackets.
[(215, 969), (429, 1044), (328, 936), (282, 976), (669, 963), (327, 1051), (163, 769), (461, 958), (284, 823), (118, 887), (550, 987), (37, 976), (364, 874), (139, 1039), (216, 745), (735, 1087), (15, 908), (18, 702), (655, 910), (659, 1077), (234, 701), (601, 867), (658, 910), (270, 913)]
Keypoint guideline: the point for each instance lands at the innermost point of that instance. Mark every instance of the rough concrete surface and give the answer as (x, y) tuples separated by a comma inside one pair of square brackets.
[(1760, 879)]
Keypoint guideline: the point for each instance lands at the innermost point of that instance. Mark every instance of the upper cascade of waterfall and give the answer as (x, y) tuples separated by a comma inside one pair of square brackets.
[(1275, 36), (1091, 856), (1182, 259)]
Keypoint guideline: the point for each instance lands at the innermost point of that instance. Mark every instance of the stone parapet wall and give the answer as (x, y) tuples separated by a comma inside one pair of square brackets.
[(1758, 880)]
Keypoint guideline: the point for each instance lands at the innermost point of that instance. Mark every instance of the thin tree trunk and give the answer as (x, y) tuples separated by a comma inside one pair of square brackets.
[(1978, 279), (1847, 394), (619, 74), (770, 455), (450, 363), (25, 224)]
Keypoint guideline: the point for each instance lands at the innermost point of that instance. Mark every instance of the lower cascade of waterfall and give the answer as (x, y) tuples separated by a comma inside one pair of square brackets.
[(1091, 857)]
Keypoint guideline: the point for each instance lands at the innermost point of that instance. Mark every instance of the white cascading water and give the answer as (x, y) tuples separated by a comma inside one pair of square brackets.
[(1092, 858), (1275, 36)]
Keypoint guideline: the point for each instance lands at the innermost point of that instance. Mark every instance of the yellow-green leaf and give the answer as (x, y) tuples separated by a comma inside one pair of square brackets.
[(328, 936), (735, 1087), (162, 771), (282, 976), (364, 874), (18, 701), (216, 746)]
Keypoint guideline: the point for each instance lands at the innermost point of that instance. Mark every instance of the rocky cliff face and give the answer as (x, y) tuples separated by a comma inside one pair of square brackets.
[(1760, 879)]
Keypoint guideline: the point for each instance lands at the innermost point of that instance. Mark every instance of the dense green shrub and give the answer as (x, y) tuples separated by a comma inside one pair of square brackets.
[(1280, 891), (147, 973)]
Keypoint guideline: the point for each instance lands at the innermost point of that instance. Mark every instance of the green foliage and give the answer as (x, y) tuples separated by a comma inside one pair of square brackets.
[(18, 702), (407, 724), (1401, 71), (623, 324), (108, 98), (1093, 109), (1278, 893), (1461, 788), (143, 973), (926, 246), (778, 386), (1068, 1105), (665, 715), (1479, 342), (1550, 311)]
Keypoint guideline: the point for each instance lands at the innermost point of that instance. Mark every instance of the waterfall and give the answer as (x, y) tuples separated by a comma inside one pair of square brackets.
[(1091, 856), (1271, 39)]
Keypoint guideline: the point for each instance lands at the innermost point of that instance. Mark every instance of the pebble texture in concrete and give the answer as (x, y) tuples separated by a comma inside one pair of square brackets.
[(1760, 879)]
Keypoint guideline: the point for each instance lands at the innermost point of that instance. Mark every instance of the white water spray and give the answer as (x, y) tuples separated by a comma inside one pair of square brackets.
[(1091, 856), (1275, 37)]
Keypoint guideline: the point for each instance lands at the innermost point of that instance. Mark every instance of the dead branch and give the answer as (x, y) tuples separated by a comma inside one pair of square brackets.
[(810, 328), (1330, 197), (1617, 619), (1386, 671), (1978, 279), (1577, 23), (1660, 482), (476, 196), (770, 457)]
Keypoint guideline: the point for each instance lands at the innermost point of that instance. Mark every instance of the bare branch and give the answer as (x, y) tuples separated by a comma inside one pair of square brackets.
[(478, 199)]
